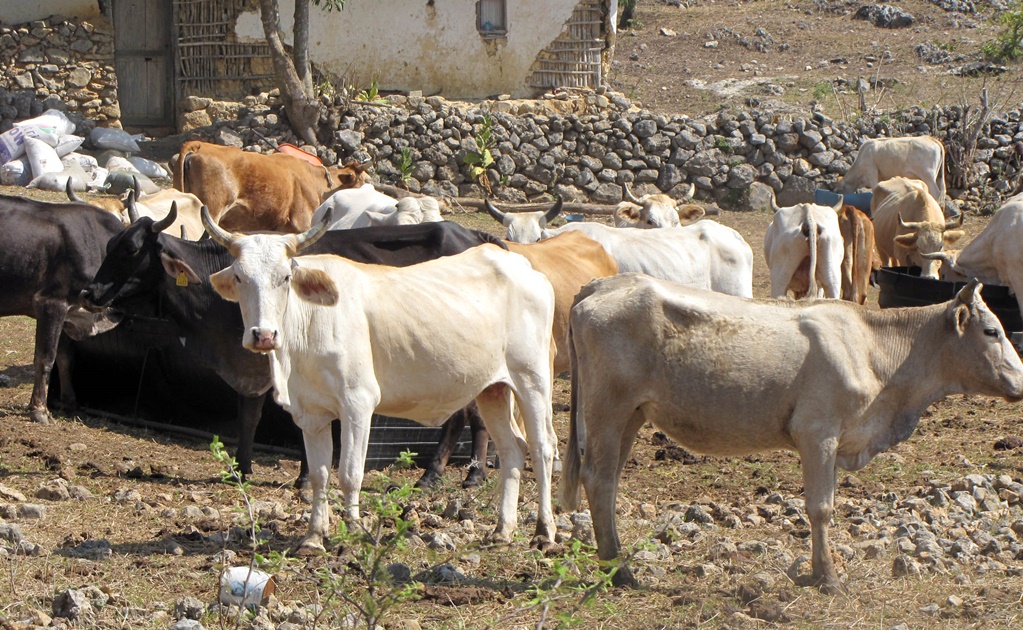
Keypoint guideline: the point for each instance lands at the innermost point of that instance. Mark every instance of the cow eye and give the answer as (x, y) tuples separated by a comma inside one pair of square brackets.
[(286, 280), (991, 332)]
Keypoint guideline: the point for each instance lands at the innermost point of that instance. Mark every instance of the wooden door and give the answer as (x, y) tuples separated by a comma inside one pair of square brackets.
[(144, 61)]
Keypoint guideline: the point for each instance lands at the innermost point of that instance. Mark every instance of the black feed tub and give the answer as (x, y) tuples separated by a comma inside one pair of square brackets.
[(903, 286), (139, 369)]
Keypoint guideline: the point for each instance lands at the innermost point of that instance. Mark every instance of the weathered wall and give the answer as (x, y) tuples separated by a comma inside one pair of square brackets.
[(19, 11), (59, 63), (426, 45)]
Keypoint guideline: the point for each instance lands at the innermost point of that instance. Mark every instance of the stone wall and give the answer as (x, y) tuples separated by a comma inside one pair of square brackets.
[(59, 63), (587, 146)]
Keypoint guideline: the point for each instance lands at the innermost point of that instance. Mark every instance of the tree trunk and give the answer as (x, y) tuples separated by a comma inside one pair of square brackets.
[(300, 104)]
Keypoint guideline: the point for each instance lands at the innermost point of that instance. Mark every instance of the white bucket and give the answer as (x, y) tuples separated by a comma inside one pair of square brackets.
[(234, 590)]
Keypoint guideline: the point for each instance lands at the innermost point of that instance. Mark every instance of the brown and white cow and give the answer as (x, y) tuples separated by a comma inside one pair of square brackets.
[(919, 157), (248, 191), (859, 258), (833, 381), (908, 222), (656, 210), (803, 248)]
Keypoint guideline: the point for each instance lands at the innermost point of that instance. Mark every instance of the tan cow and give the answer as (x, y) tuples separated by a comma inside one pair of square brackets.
[(248, 191), (908, 223), (729, 377), (919, 157), (187, 223), (859, 258)]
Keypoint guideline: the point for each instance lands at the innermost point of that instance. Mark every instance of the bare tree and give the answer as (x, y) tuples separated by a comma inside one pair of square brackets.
[(293, 71)]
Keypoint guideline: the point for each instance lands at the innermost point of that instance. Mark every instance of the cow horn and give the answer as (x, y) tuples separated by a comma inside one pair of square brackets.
[(970, 291), (133, 211), (164, 223), (216, 232), (838, 206), (136, 186), (774, 204), (494, 212), (554, 211), (689, 195), (310, 236), (911, 225), (955, 222), (631, 197), (70, 190)]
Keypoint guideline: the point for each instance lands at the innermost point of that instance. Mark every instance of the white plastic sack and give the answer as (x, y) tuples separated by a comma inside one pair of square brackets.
[(148, 168), (99, 178), (12, 142), (117, 139), (87, 162), (42, 157), (116, 163), (53, 119), (66, 144), (58, 181), (17, 172)]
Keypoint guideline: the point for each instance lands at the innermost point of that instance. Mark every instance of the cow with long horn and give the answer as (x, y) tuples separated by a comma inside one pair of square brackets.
[(480, 330), (656, 210), (524, 227)]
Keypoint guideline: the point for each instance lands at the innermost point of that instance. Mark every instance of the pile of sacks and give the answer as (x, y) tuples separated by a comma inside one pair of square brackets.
[(43, 153)]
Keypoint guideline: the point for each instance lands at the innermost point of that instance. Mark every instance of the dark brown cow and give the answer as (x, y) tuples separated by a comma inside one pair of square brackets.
[(248, 191)]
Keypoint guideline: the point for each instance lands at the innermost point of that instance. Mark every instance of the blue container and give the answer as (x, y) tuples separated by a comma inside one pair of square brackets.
[(861, 200)]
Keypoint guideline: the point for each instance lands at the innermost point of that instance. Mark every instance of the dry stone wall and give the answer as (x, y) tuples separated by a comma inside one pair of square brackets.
[(62, 64), (589, 149)]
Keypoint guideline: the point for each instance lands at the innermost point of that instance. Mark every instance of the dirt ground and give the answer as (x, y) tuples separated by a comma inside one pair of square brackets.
[(168, 520), (158, 502)]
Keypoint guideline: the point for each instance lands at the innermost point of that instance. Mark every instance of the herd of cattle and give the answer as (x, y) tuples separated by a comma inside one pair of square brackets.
[(351, 303)]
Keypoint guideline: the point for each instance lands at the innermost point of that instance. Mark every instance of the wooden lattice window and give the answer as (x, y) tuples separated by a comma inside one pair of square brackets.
[(491, 18), (574, 58)]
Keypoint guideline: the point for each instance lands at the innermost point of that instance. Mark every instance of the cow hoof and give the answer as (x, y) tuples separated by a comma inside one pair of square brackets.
[(308, 549), (546, 546), (624, 578), (428, 480), (41, 416), (831, 586), (302, 483), (476, 477)]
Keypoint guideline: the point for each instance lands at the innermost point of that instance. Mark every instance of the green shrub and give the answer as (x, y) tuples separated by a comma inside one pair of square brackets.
[(1008, 44)]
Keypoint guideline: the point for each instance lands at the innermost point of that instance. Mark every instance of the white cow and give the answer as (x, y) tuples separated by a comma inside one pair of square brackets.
[(995, 256), (347, 340), (365, 206), (655, 210), (187, 223), (833, 381), (804, 250), (705, 255), (524, 227), (908, 223), (920, 157)]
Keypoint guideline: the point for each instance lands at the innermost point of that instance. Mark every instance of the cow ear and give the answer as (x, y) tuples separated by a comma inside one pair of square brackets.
[(314, 285), (630, 213), (177, 268), (906, 240), (690, 212), (225, 285), (951, 236), (964, 301)]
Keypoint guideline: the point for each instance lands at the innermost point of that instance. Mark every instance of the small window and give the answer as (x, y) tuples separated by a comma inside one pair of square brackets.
[(490, 18)]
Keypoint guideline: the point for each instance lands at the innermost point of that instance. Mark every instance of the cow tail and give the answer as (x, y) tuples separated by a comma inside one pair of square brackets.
[(810, 231), (570, 467)]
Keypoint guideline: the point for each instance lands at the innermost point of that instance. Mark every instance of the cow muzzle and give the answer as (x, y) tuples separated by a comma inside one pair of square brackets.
[(263, 340), (89, 302)]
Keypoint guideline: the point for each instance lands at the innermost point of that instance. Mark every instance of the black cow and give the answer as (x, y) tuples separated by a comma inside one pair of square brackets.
[(146, 270), (48, 254)]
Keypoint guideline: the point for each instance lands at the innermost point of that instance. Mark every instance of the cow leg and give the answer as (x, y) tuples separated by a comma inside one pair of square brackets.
[(50, 316), (781, 276), (818, 460), (250, 410), (318, 448), (351, 469), (477, 472), (495, 406), (63, 361), (535, 408), (445, 446), (607, 450)]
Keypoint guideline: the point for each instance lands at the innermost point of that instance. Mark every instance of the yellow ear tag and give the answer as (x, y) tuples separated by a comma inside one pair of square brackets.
[(182, 281)]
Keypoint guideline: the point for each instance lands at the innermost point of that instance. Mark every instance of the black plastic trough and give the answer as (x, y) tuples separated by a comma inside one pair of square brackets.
[(903, 286), (140, 369)]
